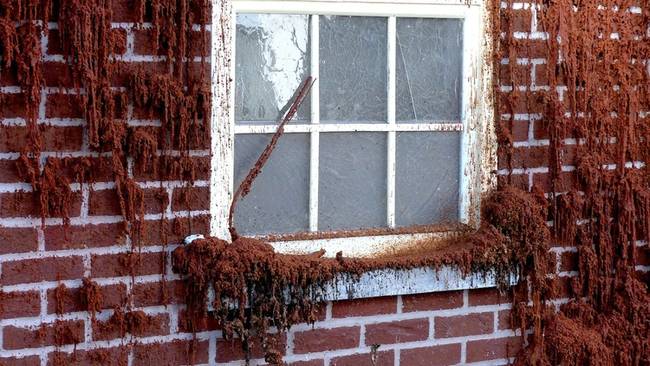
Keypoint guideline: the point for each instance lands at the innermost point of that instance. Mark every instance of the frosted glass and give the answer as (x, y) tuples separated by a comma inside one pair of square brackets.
[(279, 199), (427, 178), (352, 189), (353, 69), (272, 60), (429, 69)]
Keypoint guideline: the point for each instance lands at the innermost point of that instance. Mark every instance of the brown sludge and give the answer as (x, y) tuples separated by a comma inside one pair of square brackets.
[(606, 323)]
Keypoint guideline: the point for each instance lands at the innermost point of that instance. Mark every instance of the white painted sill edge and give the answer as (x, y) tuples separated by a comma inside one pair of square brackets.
[(392, 282)]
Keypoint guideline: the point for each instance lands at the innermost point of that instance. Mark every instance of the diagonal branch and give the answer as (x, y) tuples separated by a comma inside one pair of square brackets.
[(245, 186)]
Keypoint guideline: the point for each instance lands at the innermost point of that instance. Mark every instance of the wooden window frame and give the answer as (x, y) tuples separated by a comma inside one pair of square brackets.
[(478, 142)]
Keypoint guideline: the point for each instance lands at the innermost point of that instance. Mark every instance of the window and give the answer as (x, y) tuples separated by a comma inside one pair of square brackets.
[(394, 141)]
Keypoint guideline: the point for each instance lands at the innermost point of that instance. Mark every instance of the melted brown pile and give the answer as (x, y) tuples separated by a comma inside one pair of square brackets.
[(255, 288)]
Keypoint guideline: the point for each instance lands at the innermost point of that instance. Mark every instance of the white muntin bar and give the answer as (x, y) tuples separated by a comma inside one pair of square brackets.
[(455, 126), (315, 120), (223, 74), (391, 146)]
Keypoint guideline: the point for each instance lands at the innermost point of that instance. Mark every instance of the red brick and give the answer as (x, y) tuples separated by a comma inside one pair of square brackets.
[(516, 180), (569, 261), (157, 324), (27, 204), (398, 332), (432, 301), (106, 202), (519, 102), (487, 296), (525, 157), (64, 106), (73, 169), (69, 300), (231, 350), (8, 172), (643, 255), (527, 48), (566, 181), (516, 20), (201, 170), (57, 74), (87, 236), (145, 44), (504, 320), (492, 349), (175, 231), (158, 293), (192, 199), (46, 335), (364, 307), (19, 304), (514, 73), (191, 324), (463, 325), (319, 340), (308, 363), (20, 361), (124, 11), (385, 358), (174, 353), (55, 138), (123, 71), (54, 46), (18, 240), (448, 354), (100, 356), (126, 264), (13, 106), (42, 269)]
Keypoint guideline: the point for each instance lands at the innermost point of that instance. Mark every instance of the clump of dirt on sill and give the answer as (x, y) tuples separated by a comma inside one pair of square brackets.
[(256, 288)]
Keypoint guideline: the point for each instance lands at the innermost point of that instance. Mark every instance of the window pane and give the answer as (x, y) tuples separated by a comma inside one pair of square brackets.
[(353, 69), (352, 189), (272, 59), (429, 69), (427, 178), (279, 199)]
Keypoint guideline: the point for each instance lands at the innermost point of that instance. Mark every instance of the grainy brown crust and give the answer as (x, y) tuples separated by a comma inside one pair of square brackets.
[(607, 322)]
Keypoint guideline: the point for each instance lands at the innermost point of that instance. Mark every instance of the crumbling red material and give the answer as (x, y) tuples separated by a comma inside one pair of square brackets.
[(604, 214), (594, 53), (255, 288), (177, 94)]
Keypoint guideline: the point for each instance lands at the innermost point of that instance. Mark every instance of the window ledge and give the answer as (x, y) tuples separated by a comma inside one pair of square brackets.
[(393, 282)]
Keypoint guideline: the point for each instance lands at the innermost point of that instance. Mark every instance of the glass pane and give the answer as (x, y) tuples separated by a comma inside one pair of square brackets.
[(352, 189), (353, 69), (429, 69), (427, 178), (279, 199), (272, 60)]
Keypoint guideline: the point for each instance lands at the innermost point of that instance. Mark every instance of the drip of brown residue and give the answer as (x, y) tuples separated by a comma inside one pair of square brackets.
[(605, 213), (255, 288)]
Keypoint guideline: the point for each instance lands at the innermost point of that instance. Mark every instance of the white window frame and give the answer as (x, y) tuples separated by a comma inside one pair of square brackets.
[(478, 142)]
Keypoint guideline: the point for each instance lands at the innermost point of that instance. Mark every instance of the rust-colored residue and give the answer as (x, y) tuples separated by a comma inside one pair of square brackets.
[(594, 105), (286, 287)]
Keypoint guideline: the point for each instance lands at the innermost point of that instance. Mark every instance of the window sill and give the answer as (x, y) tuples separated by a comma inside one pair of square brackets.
[(390, 282), (393, 282)]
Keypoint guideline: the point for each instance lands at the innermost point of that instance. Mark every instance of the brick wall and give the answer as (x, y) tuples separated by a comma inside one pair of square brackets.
[(470, 326)]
